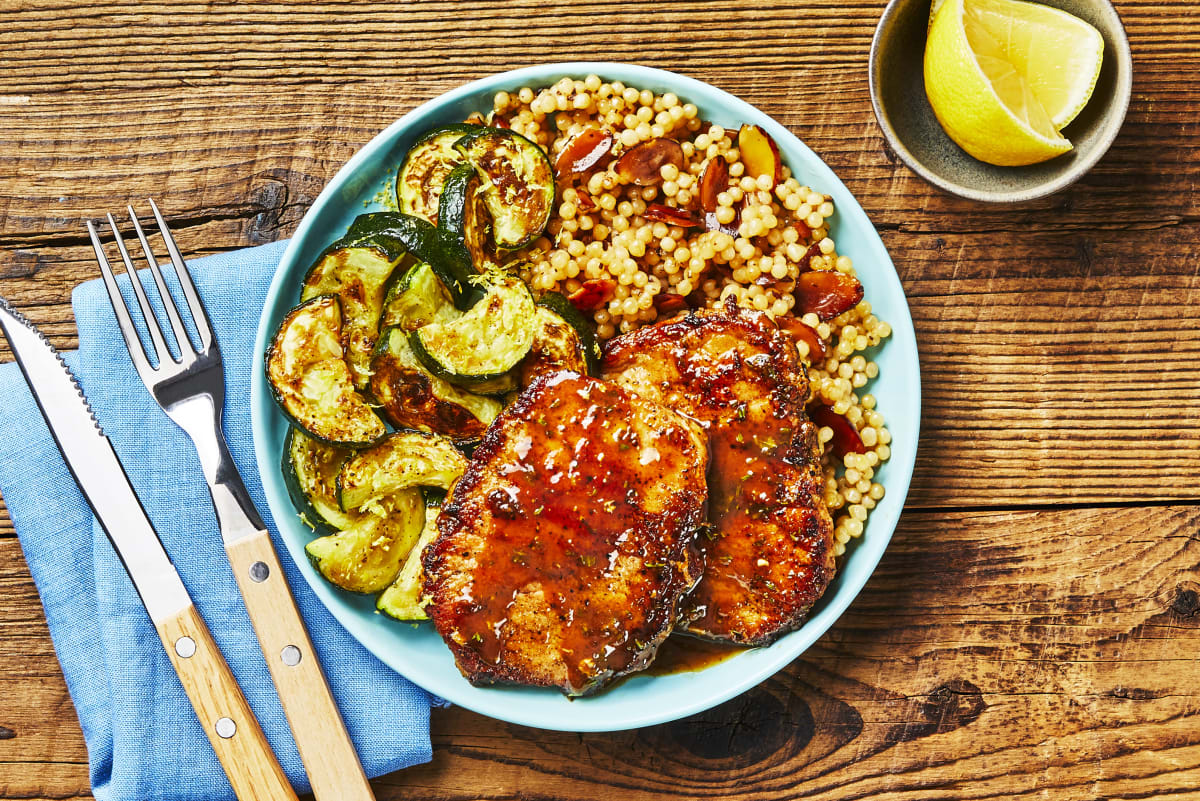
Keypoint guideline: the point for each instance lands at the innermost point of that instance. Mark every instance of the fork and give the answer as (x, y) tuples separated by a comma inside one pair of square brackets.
[(191, 390)]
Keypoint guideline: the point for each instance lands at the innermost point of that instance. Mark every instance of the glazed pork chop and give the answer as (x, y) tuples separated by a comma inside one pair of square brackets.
[(770, 554), (566, 549)]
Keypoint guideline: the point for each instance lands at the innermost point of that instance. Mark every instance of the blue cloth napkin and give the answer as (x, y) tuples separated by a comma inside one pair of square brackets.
[(143, 740)]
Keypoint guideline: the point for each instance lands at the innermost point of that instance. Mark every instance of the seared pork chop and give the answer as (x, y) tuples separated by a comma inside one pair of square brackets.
[(770, 554), (566, 549)]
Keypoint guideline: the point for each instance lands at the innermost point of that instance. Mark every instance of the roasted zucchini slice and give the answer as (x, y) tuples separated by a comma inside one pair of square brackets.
[(402, 460), (556, 347), (310, 471), (464, 214), (565, 309), (518, 183), (444, 253), (311, 382), (485, 342), (412, 397), (423, 173), (498, 386), (359, 276), (367, 556), (417, 299), (404, 599)]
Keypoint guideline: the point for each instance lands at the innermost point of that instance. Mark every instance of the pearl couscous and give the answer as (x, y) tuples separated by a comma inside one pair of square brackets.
[(761, 235)]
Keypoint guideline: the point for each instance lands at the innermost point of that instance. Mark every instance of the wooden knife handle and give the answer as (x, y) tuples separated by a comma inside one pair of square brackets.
[(325, 747), (222, 710)]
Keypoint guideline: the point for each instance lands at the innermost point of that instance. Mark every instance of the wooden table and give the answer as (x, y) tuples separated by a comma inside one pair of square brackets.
[(1034, 628)]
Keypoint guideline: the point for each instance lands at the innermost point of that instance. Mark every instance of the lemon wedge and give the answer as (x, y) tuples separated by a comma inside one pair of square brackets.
[(1004, 76)]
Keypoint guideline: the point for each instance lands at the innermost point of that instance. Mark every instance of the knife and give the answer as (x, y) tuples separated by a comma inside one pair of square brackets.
[(227, 719)]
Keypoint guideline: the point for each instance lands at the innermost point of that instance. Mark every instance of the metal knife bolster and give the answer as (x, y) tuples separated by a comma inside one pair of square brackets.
[(92, 461)]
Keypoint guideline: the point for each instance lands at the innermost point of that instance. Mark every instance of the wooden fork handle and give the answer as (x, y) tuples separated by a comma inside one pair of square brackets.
[(325, 747), (231, 727)]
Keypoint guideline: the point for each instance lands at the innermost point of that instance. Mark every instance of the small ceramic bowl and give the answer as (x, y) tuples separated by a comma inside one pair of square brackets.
[(914, 134)]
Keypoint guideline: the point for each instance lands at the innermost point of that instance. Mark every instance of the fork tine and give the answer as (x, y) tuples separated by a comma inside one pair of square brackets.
[(199, 313), (181, 336), (151, 320), (137, 352)]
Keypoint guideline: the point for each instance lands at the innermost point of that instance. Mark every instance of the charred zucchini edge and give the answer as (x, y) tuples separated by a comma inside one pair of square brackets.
[(439, 145), (509, 177), (319, 510), (366, 431), (483, 344), (400, 461)]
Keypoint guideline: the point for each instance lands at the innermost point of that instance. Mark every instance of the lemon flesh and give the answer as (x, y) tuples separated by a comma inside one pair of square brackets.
[(1004, 76), (1058, 54)]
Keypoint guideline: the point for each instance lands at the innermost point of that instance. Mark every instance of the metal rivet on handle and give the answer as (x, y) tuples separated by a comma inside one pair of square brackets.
[(185, 647), (259, 572), (290, 655), (226, 728)]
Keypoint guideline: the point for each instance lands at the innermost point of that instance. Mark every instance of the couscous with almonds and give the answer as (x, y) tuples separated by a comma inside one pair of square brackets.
[(659, 211)]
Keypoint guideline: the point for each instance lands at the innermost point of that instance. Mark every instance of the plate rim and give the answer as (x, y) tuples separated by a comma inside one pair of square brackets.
[(769, 660)]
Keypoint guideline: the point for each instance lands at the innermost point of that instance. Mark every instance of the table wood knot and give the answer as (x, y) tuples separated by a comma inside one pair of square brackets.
[(1187, 599), (953, 705), (280, 196), (750, 727)]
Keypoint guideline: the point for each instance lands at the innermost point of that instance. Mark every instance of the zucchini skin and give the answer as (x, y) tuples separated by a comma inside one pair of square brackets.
[(463, 214), (412, 397), (559, 304), (448, 258), (371, 429), (484, 344), (434, 497), (307, 498), (423, 172), (518, 182), (452, 206)]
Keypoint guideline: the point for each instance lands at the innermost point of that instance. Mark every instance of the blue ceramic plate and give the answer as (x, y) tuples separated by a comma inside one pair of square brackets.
[(417, 652)]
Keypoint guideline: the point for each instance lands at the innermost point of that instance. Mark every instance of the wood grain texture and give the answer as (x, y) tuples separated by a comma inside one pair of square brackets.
[(993, 655), (329, 757), (1033, 629), (1058, 355), (243, 750)]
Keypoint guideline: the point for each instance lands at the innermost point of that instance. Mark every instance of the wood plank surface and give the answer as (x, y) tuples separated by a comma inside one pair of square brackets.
[(1048, 350), (1033, 630), (993, 655)]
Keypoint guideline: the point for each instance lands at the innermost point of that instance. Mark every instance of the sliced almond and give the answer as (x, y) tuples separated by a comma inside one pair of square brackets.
[(594, 293), (584, 151), (826, 293), (759, 154), (658, 212), (641, 165)]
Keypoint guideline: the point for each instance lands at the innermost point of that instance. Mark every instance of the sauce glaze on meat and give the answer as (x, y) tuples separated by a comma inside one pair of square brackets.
[(566, 549), (769, 555)]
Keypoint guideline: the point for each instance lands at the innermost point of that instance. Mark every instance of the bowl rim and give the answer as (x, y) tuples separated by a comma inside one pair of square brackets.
[(757, 664), (1114, 121)]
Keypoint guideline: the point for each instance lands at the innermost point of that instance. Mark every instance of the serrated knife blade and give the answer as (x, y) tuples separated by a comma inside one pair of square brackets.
[(92, 461)]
